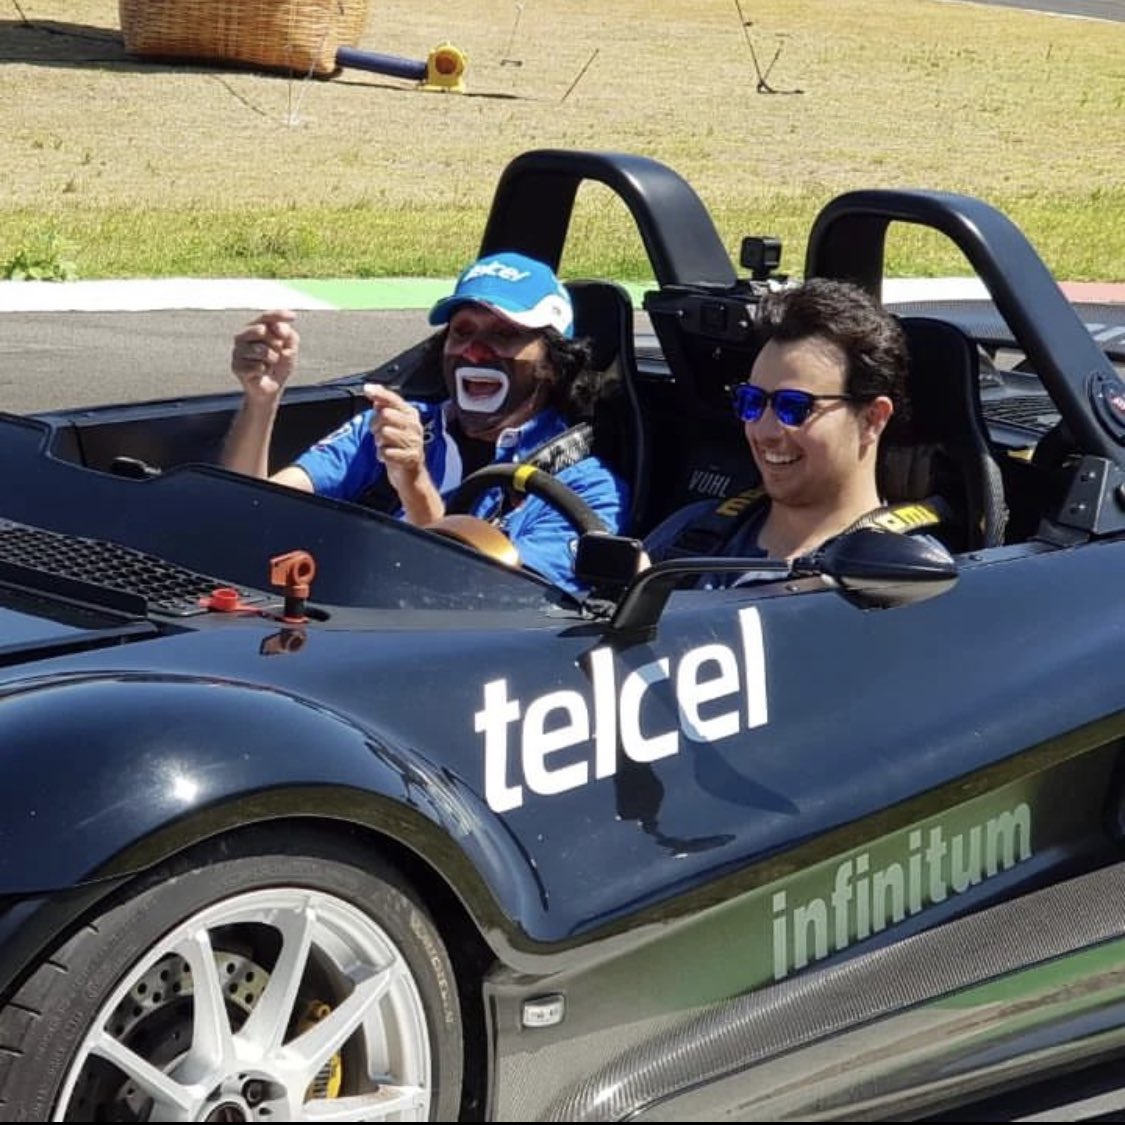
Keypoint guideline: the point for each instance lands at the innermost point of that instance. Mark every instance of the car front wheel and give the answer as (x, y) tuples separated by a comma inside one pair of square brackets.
[(285, 983)]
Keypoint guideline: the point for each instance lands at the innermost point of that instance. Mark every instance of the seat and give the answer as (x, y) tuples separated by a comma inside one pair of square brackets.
[(603, 314), (941, 448)]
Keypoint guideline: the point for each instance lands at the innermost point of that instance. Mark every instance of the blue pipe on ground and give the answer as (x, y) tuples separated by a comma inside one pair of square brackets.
[(394, 65)]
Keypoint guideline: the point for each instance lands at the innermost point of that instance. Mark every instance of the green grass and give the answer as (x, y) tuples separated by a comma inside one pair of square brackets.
[(130, 169), (1078, 239), (272, 242)]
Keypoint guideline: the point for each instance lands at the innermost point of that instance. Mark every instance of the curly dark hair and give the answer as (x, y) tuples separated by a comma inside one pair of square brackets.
[(578, 388), (871, 338)]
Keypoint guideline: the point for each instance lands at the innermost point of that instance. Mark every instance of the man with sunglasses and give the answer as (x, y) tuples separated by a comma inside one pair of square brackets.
[(830, 372), (517, 380)]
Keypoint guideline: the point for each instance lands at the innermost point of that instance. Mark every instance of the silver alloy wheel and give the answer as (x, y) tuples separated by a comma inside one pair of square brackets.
[(254, 1053)]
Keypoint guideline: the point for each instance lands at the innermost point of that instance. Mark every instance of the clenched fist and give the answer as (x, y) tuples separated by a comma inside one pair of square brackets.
[(264, 354)]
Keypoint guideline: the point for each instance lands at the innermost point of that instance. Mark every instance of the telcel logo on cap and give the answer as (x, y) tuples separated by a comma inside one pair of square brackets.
[(519, 288), (494, 269)]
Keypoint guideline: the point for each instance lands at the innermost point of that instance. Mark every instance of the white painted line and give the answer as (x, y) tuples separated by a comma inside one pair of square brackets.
[(898, 289), (146, 295), (255, 294)]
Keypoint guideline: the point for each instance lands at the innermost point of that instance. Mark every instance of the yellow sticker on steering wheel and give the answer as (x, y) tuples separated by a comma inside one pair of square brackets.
[(521, 475)]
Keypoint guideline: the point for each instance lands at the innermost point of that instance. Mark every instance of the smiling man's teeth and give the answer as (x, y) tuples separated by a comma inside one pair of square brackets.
[(481, 386), (778, 459), (481, 390)]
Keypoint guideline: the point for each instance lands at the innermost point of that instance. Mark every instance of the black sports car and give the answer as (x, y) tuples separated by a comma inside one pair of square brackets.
[(312, 815)]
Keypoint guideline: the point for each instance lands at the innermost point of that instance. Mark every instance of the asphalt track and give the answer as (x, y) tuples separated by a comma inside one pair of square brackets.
[(54, 360), (87, 343), (102, 350), (1086, 9)]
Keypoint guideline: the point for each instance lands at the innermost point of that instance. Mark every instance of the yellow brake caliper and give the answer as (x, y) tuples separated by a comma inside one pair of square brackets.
[(330, 1077)]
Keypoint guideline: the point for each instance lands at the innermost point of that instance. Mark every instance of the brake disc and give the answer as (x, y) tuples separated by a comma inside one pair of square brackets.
[(155, 1020)]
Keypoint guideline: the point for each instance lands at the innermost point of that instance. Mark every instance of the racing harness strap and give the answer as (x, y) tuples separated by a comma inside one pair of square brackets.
[(905, 517), (713, 530), (570, 447), (708, 534)]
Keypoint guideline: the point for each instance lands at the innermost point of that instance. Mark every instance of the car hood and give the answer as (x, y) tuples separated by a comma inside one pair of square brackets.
[(35, 627)]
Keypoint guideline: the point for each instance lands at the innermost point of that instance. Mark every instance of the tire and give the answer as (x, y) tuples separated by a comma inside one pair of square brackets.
[(324, 980)]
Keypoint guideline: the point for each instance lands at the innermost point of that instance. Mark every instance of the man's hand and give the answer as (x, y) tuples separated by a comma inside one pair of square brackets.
[(397, 429), (264, 355), (400, 444)]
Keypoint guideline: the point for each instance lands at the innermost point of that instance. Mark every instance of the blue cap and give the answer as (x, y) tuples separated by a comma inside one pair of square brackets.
[(517, 287)]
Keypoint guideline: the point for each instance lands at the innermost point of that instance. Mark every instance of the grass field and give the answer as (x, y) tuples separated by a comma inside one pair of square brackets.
[(131, 168)]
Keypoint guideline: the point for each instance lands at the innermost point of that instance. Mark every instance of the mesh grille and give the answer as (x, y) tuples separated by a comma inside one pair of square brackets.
[(166, 587), (1034, 412)]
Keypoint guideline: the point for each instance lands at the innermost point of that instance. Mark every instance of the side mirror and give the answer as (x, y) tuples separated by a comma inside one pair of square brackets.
[(872, 569), (878, 569)]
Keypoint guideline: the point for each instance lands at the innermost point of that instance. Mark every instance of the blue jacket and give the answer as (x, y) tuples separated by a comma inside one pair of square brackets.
[(344, 464)]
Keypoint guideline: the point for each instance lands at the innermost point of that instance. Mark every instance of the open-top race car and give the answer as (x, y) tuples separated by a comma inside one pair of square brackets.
[(311, 814)]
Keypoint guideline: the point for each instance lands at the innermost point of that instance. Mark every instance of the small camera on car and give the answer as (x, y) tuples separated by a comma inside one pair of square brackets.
[(761, 255)]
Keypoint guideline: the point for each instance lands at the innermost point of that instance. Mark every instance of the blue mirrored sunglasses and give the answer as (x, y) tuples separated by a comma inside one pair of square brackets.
[(792, 407)]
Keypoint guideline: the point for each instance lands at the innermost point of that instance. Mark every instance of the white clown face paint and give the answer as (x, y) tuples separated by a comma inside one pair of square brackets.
[(481, 338), (481, 390)]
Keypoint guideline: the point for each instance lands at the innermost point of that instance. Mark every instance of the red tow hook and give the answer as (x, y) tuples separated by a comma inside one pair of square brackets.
[(293, 572)]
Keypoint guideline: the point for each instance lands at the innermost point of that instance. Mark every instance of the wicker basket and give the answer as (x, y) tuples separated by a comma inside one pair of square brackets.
[(300, 36)]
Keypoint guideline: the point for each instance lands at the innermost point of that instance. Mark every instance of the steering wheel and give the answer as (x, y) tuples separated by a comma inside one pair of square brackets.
[(516, 480)]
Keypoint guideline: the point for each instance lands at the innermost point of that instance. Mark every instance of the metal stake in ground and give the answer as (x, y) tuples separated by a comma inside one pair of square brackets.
[(507, 60)]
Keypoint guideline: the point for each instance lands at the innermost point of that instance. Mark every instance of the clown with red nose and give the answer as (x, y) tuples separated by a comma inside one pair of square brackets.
[(509, 363)]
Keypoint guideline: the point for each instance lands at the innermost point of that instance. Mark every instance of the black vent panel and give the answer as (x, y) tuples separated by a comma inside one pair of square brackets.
[(31, 557), (1032, 412)]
